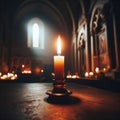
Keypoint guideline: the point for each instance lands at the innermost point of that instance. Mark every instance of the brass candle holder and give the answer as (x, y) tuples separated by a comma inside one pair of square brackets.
[(59, 89)]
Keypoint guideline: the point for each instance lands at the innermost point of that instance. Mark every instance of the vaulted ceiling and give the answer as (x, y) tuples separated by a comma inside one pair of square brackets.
[(61, 14)]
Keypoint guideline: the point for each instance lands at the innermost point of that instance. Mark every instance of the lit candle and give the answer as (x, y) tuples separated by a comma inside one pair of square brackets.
[(104, 69), (91, 74), (86, 74), (97, 70), (59, 89), (59, 62)]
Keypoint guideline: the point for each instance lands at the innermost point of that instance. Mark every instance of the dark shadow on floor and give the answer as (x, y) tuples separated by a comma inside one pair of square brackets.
[(69, 100), (107, 84)]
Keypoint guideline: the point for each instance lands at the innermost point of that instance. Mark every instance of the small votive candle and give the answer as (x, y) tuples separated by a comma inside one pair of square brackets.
[(86, 74), (91, 74), (97, 70)]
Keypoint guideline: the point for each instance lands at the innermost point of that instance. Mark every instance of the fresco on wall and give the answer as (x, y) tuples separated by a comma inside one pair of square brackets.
[(99, 41), (103, 50)]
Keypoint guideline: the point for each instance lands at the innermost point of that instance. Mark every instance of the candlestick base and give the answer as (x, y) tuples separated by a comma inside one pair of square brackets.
[(59, 90), (58, 93)]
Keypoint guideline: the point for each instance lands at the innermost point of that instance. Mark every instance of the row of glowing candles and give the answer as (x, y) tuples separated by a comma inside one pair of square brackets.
[(28, 70), (13, 75), (88, 74), (25, 71), (8, 76), (96, 73)]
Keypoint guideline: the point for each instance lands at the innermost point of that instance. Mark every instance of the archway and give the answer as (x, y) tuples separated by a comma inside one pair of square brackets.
[(99, 41)]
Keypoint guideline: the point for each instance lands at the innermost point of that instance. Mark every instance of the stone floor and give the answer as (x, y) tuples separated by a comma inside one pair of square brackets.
[(29, 101)]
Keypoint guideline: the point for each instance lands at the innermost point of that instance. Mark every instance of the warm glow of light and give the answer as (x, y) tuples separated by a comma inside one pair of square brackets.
[(69, 76), (59, 62), (13, 78), (104, 69), (37, 70), (59, 46), (4, 77), (97, 70), (9, 76), (108, 67), (42, 71), (0, 73), (15, 75), (91, 74), (26, 72), (86, 74), (73, 76), (23, 66)]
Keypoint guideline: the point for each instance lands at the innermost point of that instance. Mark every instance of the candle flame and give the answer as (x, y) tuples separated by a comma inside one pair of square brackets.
[(97, 69), (59, 46)]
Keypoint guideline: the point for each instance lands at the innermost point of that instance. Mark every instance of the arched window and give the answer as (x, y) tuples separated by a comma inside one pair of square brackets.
[(35, 33)]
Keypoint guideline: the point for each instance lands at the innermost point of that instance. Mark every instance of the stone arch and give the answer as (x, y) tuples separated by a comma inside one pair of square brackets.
[(98, 30)]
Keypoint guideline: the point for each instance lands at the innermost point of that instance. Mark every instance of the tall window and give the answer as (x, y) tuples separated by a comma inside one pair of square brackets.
[(35, 33)]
